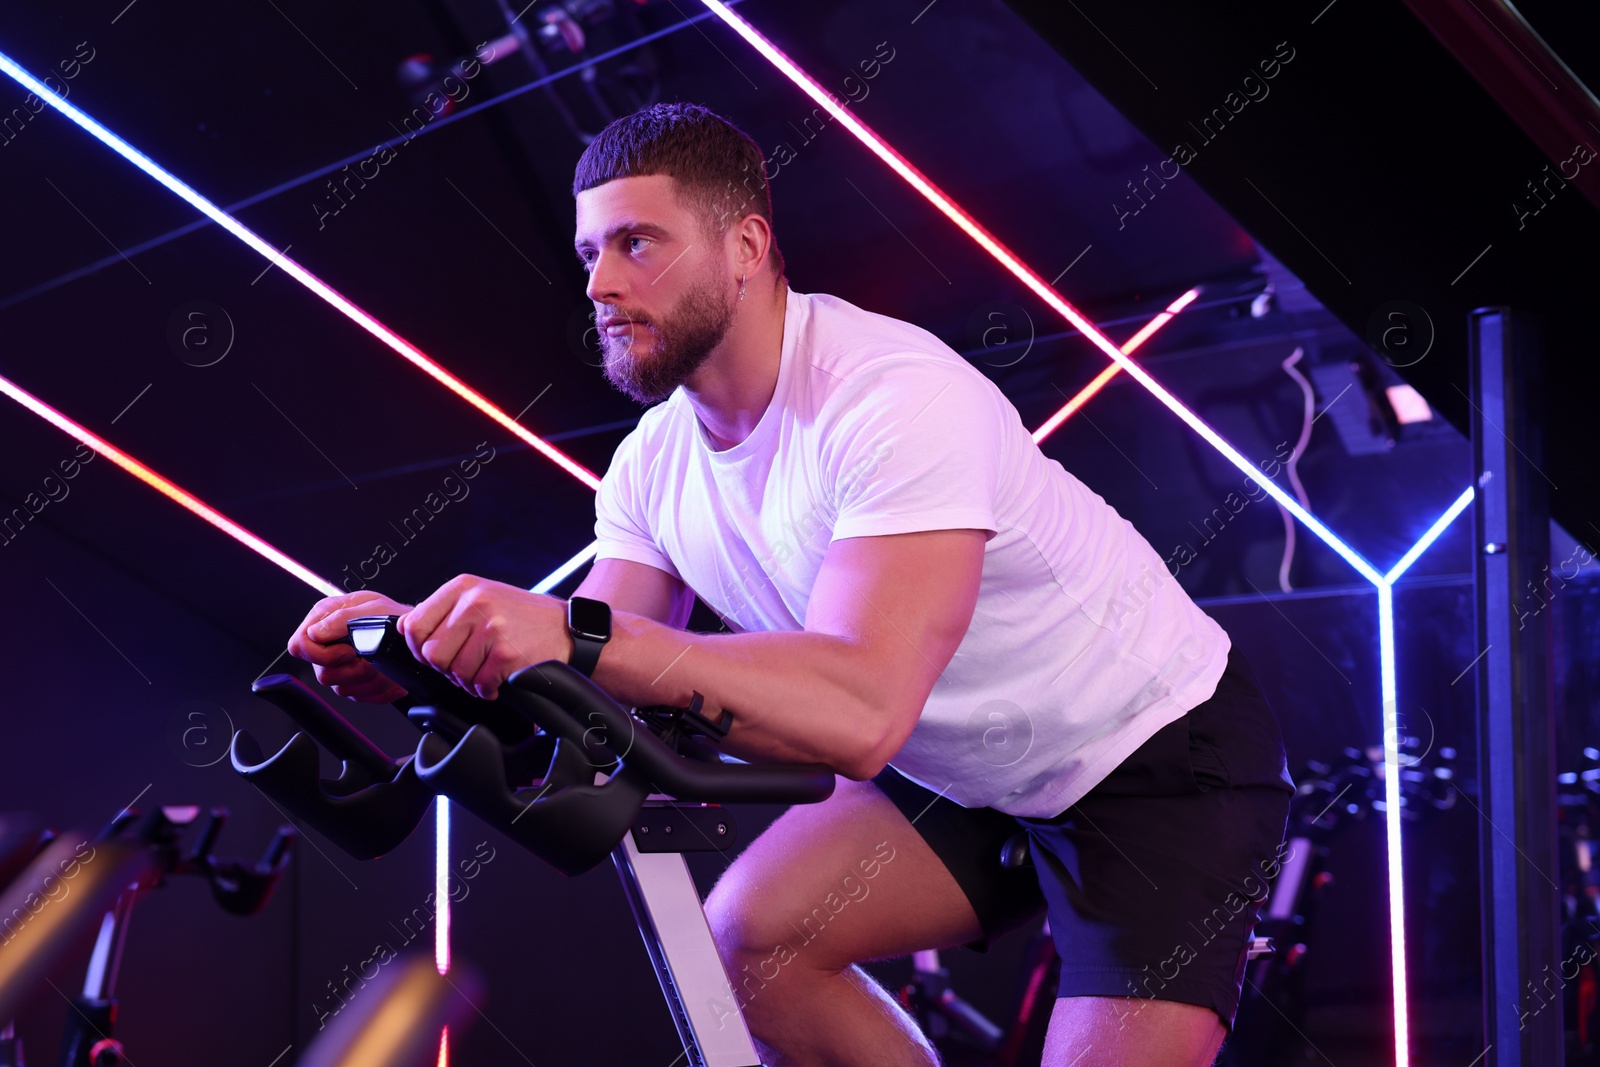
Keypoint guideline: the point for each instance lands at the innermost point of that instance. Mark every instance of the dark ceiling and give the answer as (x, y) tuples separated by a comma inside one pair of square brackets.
[(319, 439), (1351, 142)]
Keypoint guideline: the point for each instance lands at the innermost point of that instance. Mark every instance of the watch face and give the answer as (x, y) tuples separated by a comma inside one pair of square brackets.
[(589, 618)]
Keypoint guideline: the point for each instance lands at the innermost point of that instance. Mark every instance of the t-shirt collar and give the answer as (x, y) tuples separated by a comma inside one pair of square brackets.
[(757, 442)]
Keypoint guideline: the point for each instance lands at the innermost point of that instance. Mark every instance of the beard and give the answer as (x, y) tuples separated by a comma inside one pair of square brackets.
[(680, 341)]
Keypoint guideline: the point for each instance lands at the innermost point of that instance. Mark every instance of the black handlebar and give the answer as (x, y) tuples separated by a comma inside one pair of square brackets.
[(554, 762), (563, 702), (671, 773), (377, 639)]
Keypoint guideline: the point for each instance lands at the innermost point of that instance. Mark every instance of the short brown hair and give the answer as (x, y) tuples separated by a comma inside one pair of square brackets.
[(718, 169)]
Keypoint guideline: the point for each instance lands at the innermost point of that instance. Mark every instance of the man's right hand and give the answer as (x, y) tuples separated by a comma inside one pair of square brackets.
[(338, 665)]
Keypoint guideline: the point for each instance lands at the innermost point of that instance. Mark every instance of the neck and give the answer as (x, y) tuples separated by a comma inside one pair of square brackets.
[(731, 390)]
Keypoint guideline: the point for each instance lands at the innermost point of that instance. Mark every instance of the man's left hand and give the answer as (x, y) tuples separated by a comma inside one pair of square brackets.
[(480, 633)]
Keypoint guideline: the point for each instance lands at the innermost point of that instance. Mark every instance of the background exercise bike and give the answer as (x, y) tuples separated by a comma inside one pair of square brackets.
[(56, 887)]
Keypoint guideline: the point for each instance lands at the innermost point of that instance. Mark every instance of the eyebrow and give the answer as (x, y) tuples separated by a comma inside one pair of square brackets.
[(627, 226)]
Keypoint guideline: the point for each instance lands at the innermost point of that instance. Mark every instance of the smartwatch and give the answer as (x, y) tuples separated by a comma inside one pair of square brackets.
[(589, 623)]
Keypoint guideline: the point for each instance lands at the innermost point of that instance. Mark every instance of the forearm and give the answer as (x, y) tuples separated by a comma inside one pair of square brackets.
[(794, 696)]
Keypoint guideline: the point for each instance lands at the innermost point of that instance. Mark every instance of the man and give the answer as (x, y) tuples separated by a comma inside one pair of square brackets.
[(912, 583)]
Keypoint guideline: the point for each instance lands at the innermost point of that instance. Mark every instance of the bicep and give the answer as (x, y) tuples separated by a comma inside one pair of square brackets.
[(907, 599), (638, 589)]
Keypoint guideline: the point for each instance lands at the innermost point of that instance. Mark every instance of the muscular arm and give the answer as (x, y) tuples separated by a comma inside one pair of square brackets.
[(884, 618), (885, 615)]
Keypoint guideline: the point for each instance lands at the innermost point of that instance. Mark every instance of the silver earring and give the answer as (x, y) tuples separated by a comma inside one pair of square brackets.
[(741, 287)]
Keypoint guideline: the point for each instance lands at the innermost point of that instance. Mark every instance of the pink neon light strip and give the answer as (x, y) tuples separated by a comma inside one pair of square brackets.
[(441, 884), (165, 487), (900, 165), (1146, 332), (355, 314)]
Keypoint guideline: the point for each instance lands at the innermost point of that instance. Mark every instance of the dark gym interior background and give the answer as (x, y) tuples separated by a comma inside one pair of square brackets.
[(124, 617)]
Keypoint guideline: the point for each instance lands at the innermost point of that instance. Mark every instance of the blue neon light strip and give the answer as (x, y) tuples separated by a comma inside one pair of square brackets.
[(557, 576), (1389, 690), (1430, 536)]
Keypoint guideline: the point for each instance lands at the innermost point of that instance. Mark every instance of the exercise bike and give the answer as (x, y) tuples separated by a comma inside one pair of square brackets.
[(55, 887), (562, 769)]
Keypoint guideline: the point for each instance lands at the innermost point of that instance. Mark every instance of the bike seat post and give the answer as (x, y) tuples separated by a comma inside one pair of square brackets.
[(677, 938)]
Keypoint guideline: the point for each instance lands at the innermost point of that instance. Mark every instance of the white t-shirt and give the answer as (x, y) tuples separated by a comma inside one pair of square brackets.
[(1081, 646)]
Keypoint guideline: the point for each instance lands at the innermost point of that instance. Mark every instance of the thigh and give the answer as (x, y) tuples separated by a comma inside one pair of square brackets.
[(969, 842), (836, 883), (1108, 1032)]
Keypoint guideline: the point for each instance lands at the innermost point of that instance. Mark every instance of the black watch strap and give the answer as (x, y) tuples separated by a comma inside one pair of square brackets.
[(589, 623)]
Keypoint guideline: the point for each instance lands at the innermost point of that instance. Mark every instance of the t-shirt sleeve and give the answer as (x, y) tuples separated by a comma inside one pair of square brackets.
[(914, 443), (622, 528)]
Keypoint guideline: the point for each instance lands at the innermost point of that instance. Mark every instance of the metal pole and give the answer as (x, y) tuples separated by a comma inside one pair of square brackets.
[(1516, 727)]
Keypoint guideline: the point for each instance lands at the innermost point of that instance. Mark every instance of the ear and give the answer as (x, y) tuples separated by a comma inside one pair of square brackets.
[(749, 239)]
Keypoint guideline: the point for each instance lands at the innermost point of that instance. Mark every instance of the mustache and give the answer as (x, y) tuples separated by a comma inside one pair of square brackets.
[(618, 320)]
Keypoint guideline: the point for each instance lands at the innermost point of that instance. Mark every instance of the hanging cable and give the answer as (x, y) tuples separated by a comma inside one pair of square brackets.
[(1292, 466)]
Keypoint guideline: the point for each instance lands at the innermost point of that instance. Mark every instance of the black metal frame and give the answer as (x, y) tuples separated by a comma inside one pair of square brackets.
[(1516, 721)]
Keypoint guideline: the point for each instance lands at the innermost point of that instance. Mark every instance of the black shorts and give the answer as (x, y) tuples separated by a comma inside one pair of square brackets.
[(1152, 881)]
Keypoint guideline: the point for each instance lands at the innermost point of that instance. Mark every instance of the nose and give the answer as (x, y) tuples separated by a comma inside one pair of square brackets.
[(605, 280)]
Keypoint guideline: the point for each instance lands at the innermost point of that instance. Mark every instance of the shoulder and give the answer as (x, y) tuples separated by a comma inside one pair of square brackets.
[(836, 330), (653, 437), (856, 355)]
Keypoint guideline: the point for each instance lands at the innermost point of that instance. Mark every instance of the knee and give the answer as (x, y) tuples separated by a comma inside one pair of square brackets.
[(742, 922), (755, 955), (755, 935)]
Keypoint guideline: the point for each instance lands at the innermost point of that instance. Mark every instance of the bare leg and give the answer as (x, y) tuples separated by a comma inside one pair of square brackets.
[(1114, 1031), (826, 886)]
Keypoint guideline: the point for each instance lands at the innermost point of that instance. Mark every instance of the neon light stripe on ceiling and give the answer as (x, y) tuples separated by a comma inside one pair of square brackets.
[(1147, 331), (355, 314), (166, 487), (900, 165)]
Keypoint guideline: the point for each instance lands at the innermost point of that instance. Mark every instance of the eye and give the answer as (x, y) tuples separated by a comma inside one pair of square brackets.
[(586, 258), (634, 243)]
